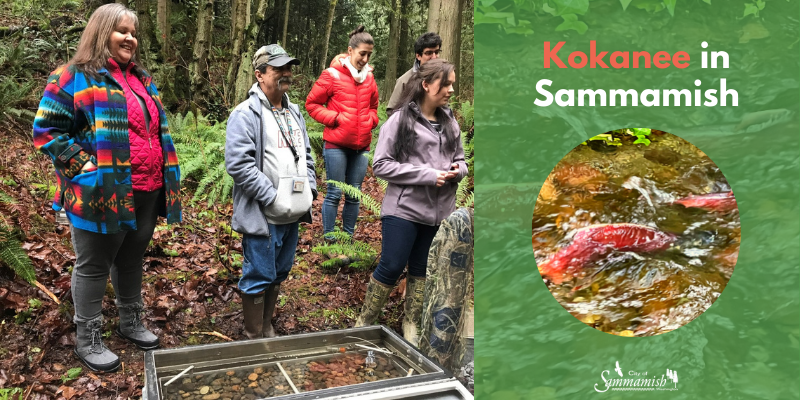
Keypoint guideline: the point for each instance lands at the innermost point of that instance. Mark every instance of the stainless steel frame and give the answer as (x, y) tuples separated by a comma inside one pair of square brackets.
[(161, 365)]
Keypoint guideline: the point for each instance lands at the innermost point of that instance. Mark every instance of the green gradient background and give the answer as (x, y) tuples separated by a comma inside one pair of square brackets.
[(746, 345)]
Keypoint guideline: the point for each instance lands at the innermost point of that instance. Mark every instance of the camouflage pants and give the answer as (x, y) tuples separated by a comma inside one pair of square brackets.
[(448, 291)]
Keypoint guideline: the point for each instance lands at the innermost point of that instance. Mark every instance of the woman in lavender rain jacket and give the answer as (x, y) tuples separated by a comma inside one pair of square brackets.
[(419, 154)]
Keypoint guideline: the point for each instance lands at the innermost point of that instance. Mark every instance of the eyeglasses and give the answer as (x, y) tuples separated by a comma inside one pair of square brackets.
[(429, 53)]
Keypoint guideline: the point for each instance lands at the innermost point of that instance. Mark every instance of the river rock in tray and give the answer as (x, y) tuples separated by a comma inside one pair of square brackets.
[(244, 384), (340, 370)]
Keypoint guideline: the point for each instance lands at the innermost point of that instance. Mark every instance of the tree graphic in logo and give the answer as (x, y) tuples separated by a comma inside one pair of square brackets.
[(673, 375), (619, 370)]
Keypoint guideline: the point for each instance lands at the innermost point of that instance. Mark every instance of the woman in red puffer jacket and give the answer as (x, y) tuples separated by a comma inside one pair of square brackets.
[(345, 100)]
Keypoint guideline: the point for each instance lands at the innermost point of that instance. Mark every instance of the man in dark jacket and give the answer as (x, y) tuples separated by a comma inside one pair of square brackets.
[(427, 47), (268, 155)]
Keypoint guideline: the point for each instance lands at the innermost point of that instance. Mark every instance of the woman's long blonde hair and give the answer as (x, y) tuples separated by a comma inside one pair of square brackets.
[(93, 51)]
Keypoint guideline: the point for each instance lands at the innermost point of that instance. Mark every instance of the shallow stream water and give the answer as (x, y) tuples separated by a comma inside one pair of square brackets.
[(631, 293), (270, 379)]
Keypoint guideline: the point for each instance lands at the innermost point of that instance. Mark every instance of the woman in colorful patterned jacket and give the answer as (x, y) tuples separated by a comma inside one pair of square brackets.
[(102, 123), (419, 154), (345, 100)]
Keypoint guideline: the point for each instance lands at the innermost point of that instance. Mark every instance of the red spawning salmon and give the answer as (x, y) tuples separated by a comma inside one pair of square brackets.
[(713, 201), (593, 242)]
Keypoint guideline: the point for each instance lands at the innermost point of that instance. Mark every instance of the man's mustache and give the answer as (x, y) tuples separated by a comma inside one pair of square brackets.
[(284, 80)]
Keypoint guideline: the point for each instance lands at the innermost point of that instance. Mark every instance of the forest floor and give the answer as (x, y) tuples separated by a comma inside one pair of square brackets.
[(190, 287)]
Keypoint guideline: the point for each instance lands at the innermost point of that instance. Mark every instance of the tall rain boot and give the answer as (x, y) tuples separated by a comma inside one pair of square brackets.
[(271, 299), (415, 296), (90, 349), (253, 312), (131, 327), (374, 301)]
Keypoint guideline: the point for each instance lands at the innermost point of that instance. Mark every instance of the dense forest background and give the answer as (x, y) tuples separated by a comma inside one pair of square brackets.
[(199, 52)]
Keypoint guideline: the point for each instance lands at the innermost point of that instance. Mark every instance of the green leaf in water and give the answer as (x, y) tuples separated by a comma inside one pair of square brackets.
[(670, 6), (625, 4), (750, 9), (651, 6), (522, 28), (571, 23), (570, 6), (506, 16)]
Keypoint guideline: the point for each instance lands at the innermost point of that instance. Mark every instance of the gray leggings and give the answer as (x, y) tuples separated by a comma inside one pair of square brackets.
[(121, 254)]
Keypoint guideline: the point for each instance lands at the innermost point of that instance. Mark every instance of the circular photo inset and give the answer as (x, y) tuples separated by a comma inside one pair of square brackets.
[(636, 232)]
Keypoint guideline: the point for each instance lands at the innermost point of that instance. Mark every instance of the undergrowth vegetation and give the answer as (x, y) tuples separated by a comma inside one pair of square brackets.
[(11, 251), (201, 148)]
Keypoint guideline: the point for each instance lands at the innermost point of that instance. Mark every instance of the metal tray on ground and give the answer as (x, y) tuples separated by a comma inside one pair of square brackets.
[(371, 362)]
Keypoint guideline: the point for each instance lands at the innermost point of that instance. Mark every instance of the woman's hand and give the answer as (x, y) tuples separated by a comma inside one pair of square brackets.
[(441, 177), (453, 171)]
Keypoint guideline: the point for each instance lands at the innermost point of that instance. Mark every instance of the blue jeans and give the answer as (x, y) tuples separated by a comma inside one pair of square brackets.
[(267, 260), (348, 166), (404, 242)]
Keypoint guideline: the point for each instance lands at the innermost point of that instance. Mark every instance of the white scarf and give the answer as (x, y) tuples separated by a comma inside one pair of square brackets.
[(359, 76)]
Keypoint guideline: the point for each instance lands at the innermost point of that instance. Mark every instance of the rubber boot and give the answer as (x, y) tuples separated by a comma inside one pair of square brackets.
[(415, 296), (271, 299), (131, 327), (90, 349), (253, 312), (374, 301)]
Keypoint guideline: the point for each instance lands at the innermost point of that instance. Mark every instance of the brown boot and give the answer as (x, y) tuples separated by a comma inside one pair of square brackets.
[(415, 296), (374, 301), (269, 309), (253, 312)]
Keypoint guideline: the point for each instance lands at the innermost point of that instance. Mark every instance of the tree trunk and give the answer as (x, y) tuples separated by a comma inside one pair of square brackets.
[(466, 79), (145, 29), (198, 68), (444, 17), (245, 76), (392, 50), (327, 37), (285, 23), (405, 53), (239, 25), (164, 28), (234, 15)]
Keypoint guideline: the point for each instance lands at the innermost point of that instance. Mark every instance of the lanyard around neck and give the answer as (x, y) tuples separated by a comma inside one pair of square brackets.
[(286, 136)]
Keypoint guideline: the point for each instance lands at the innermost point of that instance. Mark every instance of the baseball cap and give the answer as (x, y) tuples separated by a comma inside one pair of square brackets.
[(273, 55)]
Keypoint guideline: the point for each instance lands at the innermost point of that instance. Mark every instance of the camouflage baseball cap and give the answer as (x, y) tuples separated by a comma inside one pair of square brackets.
[(273, 55)]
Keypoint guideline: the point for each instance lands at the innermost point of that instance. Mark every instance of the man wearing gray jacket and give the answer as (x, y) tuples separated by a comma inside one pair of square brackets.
[(427, 47), (268, 155)]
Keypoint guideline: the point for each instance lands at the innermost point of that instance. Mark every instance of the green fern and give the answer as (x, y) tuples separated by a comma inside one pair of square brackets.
[(464, 196), (382, 183), (466, 112), (361, 254), (201, 151), (366, 200), (12, 95), (317, 144), (11, 252), (6, 198)]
